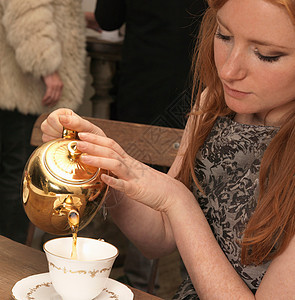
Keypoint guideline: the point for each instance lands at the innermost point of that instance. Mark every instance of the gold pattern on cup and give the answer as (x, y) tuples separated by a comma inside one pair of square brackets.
[(92, 273)]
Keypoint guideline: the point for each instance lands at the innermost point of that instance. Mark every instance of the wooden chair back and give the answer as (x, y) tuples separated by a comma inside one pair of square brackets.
[(150, 144)]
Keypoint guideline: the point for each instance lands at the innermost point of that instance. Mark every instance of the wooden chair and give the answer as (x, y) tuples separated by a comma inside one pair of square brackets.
[(149, 144)]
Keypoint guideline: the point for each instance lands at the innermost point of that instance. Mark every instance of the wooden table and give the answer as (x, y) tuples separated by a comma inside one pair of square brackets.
[(18, 261)]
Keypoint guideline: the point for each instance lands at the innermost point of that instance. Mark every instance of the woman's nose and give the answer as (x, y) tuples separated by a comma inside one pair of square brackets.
[(235, 66)]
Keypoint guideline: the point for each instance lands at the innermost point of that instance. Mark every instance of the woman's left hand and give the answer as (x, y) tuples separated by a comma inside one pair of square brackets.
[(135, 179)]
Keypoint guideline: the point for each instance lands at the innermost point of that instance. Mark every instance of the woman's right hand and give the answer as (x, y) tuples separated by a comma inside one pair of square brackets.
[(61, 118), (54, 87)]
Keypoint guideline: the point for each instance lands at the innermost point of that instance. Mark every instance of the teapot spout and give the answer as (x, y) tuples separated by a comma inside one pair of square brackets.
[(74, 220)]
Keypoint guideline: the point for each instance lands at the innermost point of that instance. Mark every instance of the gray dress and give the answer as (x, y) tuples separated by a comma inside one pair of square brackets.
[(227, 167)]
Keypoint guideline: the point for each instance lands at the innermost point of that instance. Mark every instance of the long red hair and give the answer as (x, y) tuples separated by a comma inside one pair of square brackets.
[(272, 224)]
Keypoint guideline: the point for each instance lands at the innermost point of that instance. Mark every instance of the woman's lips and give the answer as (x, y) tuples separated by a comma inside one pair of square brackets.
[(234, 93)]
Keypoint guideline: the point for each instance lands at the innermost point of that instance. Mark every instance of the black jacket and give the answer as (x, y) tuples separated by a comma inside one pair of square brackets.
[(156, 56)]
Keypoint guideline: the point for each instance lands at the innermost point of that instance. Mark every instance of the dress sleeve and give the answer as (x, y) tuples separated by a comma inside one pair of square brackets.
[(110, 14), (32, 33)]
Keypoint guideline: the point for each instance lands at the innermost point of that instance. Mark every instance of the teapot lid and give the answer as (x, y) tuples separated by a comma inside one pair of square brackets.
[(61, 159)]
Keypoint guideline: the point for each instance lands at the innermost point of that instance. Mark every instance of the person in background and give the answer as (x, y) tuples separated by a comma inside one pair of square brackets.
[(153, 78), (42, 67), (227, 202), (156, 57)]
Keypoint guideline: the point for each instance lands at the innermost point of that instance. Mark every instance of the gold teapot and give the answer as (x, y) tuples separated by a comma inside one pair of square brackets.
[(57, 184)]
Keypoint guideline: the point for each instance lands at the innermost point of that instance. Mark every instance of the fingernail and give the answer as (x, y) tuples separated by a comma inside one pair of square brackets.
[(81, 134), (85, 157)]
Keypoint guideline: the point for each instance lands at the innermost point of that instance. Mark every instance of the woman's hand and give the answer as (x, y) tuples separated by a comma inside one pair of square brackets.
[(135, 179), (61, 118), (54, 86), (91, 22)]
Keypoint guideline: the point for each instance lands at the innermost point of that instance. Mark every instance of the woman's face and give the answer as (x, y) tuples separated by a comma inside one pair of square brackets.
[(254, 50)]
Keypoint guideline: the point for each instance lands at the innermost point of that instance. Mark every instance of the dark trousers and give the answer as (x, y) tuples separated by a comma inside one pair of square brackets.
[(15, 149)]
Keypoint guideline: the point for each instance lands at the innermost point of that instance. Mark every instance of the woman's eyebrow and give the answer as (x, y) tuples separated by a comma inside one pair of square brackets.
[(254, 41), (266, 43), (220, 22)]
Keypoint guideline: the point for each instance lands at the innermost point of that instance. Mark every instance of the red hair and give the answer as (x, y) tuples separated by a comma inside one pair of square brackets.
[(272, 224)]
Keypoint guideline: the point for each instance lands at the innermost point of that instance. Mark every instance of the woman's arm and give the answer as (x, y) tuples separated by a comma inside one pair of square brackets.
[(158, 210), (146, 227), (278, 282), (212, 275)]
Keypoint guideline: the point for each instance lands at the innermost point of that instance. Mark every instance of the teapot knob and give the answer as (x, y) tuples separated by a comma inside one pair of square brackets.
[(69, 134), (74, 153)]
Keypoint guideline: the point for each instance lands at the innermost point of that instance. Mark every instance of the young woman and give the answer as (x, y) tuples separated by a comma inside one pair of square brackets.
[(227, 202)]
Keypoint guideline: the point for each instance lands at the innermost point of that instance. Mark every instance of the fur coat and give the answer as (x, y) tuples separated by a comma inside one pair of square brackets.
[(37, 38)]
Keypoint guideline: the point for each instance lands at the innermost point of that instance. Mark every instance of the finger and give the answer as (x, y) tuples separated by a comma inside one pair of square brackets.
[(55, 98), (124, 186), (51, 102), (47, 138), (45, 101), (116, 183), (117, 167), (51, 127), (98, 151), (102, 141), (58, 93), (47, 96), (75, 122)]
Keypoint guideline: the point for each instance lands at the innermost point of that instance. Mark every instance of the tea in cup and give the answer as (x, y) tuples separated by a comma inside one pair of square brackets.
[(83, 278)]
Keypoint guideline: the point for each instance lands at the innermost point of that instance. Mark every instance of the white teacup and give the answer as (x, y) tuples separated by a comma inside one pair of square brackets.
[(84, 278)]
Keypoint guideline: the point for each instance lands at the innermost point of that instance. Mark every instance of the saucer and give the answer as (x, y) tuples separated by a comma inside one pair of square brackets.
[(39, 287)]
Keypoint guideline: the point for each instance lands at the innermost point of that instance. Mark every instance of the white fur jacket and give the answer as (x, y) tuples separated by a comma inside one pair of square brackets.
[(37, 38)]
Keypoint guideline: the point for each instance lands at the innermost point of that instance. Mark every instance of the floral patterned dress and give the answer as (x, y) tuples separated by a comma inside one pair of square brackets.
[(227, 167)]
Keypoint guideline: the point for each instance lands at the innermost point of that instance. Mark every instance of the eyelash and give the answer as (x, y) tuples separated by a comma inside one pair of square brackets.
[(266, 58), (222, 36), (269, 59)]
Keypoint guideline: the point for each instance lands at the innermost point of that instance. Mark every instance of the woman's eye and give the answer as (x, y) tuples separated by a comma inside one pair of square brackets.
[(266, 58), (223, 37)]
